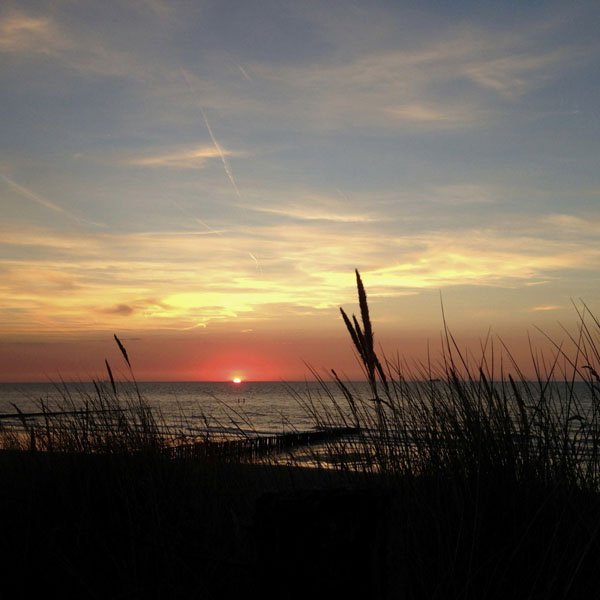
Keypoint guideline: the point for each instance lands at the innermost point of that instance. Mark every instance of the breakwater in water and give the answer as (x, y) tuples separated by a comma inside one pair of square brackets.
[(257, 447)]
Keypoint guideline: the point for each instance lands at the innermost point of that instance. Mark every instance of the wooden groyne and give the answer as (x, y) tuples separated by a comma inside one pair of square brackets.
[(57, 413), (256, 447)]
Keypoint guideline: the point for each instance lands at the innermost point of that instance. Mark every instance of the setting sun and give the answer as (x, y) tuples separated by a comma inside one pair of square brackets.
[(236, 380)]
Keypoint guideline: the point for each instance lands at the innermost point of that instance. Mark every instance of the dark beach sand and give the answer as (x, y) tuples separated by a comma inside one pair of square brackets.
[(148, 527), (145, 526)]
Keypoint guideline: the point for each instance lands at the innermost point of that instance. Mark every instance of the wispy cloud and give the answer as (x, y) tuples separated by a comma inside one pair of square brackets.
[(402, 88), (307, 205), (314, 214), (120, 309), (196, 279), (424, 114), (159, 7), (22, 32), (571, 224), (146, 306), (73, 45), (461, 194), (515, 74), (184, 158), (346, 89)]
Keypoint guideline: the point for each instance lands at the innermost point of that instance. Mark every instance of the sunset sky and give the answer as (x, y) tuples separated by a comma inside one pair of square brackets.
[(202, 179)]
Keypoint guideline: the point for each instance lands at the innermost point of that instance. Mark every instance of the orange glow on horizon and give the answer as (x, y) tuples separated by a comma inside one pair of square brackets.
[(237, 380)]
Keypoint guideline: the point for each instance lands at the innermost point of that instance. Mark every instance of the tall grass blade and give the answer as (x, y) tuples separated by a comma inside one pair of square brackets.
[(122, 349), (112, 379)]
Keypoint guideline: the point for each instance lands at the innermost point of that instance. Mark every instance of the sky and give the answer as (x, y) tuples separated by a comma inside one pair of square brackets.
[(203, 178)]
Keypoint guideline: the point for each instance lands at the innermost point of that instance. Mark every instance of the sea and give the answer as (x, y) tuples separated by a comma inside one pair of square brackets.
[(250, 408), (264, 408)]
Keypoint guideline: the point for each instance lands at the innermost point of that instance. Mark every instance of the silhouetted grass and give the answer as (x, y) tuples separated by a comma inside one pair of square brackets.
[(495, 478)]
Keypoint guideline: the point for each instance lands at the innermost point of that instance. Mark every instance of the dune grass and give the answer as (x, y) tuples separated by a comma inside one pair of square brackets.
[(464, 416), (464, 478), (495, 477)]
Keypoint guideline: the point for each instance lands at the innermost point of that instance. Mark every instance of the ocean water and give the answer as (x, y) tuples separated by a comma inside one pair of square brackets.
[(255, 408), (252, 408)]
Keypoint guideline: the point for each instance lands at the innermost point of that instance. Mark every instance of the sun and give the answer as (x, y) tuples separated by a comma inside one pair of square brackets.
[(237, 380)]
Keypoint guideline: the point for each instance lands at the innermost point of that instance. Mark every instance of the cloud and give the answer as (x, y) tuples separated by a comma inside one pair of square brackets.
[(195, 157), (459, 194), (159, 7), (464, 77), (423, 114), (120, 309), (89, 50), (306, 205), (20, 32), (305, 213), (571, 224), (145, 306), (514, 75), (408, 88), (179, 280)]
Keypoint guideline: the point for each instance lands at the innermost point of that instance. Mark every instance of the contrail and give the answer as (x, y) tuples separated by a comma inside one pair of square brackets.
[(211, 230), (44, 202), (189, 214), (256, 262), (32, 196), (214, 139), (223, 157), (207, 226), (243, 71)]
